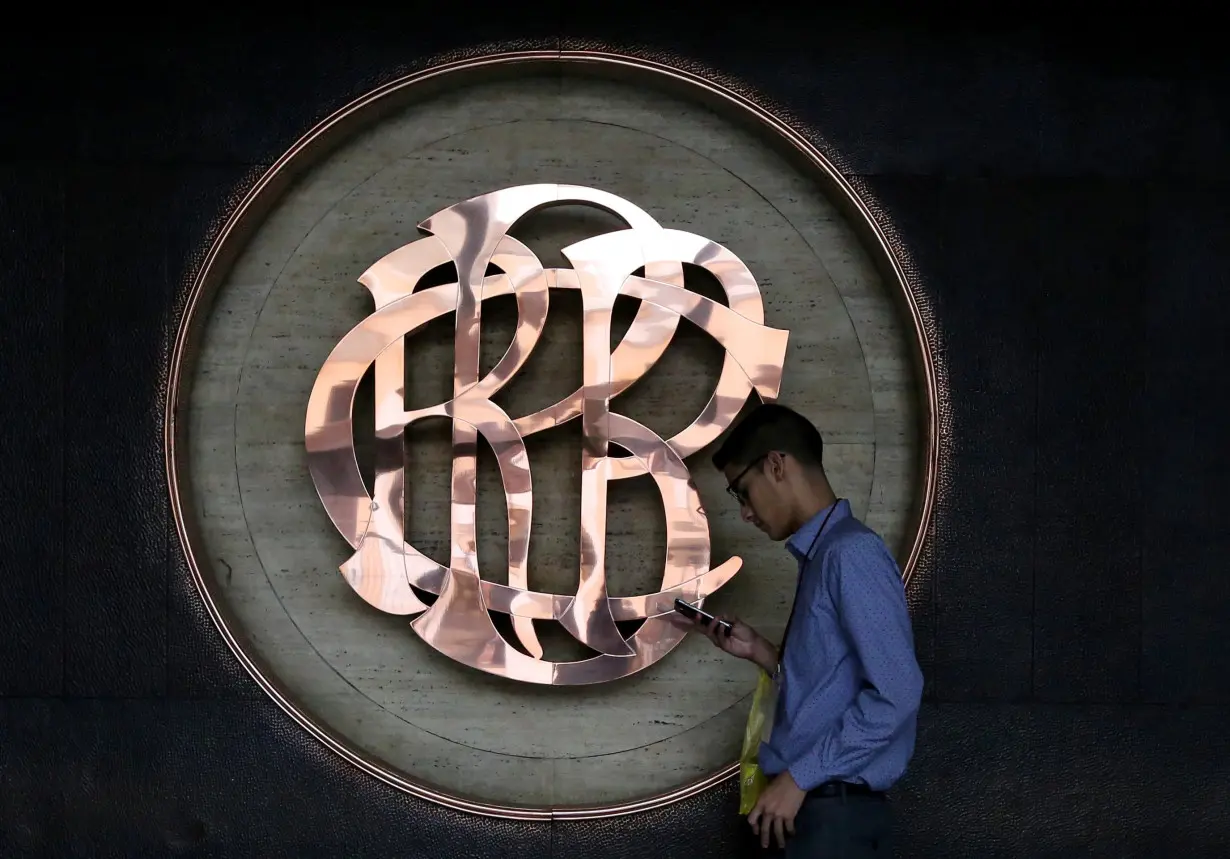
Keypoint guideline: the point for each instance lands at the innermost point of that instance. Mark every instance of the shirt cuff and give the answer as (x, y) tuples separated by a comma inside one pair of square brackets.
[(803, 782)]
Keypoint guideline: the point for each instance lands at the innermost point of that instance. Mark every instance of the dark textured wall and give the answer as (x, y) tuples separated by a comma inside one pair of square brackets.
[(1062, 196)]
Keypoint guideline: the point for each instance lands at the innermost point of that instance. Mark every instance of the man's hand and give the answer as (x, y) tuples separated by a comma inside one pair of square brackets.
[(743, 641), (774, 812)]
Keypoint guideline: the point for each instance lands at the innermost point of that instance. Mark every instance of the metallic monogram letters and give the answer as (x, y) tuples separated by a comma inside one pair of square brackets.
[(473, 234)]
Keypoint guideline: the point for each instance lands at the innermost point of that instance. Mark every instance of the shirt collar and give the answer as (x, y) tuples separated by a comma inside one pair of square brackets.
[(801, 540)]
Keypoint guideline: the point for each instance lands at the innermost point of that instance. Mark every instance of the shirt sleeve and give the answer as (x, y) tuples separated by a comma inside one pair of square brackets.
[(870, 599)]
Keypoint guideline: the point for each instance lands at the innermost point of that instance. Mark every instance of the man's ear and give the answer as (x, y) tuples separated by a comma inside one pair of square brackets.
[(777, 465)]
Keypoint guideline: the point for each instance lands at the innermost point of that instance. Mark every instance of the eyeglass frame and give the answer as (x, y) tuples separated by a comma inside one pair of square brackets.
[(732, 489)]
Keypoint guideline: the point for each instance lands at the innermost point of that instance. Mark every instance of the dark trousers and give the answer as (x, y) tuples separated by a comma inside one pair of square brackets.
[(840, 827)]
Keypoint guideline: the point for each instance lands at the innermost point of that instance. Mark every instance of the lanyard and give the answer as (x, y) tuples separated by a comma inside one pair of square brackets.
[(781, 651)]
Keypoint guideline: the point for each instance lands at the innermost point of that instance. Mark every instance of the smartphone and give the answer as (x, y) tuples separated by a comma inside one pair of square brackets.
[(692, 612)]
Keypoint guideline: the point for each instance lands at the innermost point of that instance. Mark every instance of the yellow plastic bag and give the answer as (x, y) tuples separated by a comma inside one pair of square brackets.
[(752, 779)]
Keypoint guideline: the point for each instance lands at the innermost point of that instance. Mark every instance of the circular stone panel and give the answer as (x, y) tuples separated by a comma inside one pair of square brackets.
[(293, 294)]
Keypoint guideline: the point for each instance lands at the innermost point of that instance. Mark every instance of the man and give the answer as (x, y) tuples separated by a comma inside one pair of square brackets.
[(847, 678)]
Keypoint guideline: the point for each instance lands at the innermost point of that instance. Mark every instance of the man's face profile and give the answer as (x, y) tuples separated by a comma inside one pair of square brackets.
[(758, 488)]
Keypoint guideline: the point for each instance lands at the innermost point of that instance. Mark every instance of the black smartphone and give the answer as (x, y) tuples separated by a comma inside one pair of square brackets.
[(692, 612)]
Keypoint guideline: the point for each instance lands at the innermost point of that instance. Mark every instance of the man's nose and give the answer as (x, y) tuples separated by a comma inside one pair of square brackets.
[(745, 512)]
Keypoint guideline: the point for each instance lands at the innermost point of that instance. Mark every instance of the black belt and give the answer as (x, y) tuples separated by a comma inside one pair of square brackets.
[(844, 788)]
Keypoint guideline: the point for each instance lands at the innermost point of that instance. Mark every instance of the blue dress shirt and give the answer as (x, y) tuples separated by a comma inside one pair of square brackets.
[(850, 683)]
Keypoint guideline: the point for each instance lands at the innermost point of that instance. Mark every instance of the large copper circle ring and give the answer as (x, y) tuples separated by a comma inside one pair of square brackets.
[(363, 113)]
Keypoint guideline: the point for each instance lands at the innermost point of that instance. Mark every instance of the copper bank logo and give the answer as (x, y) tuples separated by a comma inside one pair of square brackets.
[(385, 570)]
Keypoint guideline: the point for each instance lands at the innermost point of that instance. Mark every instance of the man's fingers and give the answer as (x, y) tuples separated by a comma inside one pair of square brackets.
[(706, 629), (779, 830)]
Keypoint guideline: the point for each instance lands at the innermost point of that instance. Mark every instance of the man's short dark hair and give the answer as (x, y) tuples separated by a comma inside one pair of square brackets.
[(769, 427)]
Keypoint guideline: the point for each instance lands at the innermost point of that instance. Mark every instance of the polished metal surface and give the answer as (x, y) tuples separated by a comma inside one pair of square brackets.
[(248, 216), (385, 569)]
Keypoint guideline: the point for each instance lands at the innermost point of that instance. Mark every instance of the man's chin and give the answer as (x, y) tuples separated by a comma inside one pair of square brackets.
[(771, 534)]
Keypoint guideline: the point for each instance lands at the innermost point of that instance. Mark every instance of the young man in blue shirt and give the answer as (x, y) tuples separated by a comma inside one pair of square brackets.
[(847, 678)]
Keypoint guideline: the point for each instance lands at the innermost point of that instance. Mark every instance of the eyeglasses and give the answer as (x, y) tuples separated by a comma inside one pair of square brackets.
[(737, 492)]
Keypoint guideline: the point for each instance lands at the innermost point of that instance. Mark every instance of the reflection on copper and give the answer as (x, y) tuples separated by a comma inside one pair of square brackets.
[(384, 569)]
